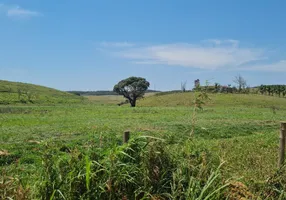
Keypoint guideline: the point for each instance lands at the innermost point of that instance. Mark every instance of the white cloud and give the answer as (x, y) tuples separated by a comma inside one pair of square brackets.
[(17, 12), (208, 54)]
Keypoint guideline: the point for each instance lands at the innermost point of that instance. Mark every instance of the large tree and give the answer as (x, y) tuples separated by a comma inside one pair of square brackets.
[(241, 82), (132, 88)]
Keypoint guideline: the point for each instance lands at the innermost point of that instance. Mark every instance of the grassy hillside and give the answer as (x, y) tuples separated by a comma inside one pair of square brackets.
[(186, 99), (23, 93)]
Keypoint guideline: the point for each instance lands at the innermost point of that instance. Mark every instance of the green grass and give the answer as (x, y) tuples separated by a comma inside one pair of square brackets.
[(111, 99), (23, 93), (218, 99), (241, 130)]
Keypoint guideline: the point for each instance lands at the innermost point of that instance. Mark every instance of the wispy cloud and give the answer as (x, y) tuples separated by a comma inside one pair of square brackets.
[(208, 54), (278, 66), (221, 42), (21, 13), (15, 11)]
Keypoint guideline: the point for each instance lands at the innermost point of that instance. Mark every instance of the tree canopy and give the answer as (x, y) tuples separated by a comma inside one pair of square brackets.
[(132, 88)]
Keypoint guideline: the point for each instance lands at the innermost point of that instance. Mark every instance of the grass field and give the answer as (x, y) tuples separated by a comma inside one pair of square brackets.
[(23, 93), (111, 99), (240, 130)]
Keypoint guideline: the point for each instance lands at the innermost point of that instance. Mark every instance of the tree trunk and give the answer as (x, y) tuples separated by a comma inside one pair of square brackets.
[(133, 102)]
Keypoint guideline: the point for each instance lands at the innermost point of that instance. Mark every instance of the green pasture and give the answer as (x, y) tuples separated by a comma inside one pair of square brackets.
[(239, 130)]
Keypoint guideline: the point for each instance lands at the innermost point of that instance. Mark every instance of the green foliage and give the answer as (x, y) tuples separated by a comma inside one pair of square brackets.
[(201, 100), (144, 168), (275, 187), (273, 89), (132, 88)]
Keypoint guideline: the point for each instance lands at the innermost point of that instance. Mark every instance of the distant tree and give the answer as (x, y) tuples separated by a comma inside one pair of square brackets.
[(229, 88), (272, 90), (234, 89), (241, 82), (197, 83), (262, 89), (284, 90), (184, 86), (76, 93), (132, 88), (247, 90), (224, 89), (30, 96), (268, 89), (19, 91), (217, 87), (279, 90)]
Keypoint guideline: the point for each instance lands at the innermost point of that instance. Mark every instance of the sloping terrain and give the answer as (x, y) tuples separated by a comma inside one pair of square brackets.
[(217, 99), (23, 93)]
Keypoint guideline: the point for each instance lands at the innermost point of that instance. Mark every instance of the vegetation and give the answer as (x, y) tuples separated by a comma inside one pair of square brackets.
[(23, 93), (279, 90), (217, 99), (241, 82), (184, 86), (75, 151), (102, 92), (241, 87), (132, 88)]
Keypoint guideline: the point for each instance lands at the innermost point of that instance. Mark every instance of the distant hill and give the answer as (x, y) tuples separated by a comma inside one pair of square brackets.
[(100, 92), (24, 93)]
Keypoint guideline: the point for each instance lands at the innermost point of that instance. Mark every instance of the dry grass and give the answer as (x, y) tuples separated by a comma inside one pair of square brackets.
[(4, 153)]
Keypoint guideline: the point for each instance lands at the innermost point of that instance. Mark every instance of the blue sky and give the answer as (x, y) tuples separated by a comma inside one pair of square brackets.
[(91, 45)]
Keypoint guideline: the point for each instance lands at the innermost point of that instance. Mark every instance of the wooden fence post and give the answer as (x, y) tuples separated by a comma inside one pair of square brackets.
[(126, 136), (282, 144)]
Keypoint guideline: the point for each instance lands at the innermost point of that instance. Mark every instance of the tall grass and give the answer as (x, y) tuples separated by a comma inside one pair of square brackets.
[(12, 188), (145, 168)]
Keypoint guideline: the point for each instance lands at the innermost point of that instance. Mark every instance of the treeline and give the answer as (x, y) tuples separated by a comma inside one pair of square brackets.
[(217, 88), (100, 93), (279, 90), (241, 87), (171, 92), (92, 93)]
